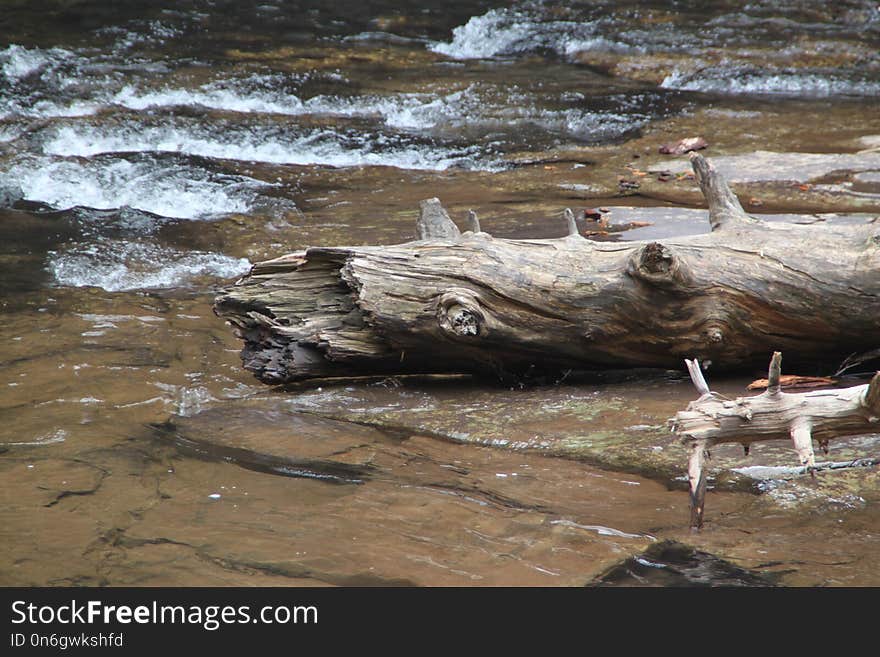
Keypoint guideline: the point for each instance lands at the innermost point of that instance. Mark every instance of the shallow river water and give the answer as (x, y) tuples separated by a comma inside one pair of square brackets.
[(149, 155)]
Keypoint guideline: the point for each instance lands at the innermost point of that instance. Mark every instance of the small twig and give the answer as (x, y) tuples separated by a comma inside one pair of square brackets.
[(572, 224), (856, 359), (697, 482), (697, 376), (774, 373), (474, 221)]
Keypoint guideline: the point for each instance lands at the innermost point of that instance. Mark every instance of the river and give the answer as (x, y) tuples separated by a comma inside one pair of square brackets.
[(149, 155)]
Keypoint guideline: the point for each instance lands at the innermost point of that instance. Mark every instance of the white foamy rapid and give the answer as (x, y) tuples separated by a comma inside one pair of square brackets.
[(496, 31), (10, 132), (783, 83), (17, 62), (227, 96), (38, 80), (415, 115), (316, 146), (512, 31), (175, 190), (408, 111), (118, 266)]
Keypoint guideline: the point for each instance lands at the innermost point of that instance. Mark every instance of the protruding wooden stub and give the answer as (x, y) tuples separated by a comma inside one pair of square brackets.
[(434, 222), (773, 373), (572, 224), (697, 482), (801, 436), (724, 207), (697, 376), (474, 221), (772, 415), (872, 396)]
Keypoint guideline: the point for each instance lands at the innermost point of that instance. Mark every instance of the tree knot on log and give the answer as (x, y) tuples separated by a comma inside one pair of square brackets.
[(460, 315), (714, 335), (658, 265)]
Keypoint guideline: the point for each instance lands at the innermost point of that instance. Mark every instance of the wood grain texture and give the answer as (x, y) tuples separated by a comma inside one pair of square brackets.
[(473, 303)]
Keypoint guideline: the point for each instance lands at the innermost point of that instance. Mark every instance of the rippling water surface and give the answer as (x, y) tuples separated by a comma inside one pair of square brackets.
[(149, 155)]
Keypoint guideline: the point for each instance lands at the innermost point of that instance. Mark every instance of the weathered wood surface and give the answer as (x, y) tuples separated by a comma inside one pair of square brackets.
[(772, 415), (468, 302)]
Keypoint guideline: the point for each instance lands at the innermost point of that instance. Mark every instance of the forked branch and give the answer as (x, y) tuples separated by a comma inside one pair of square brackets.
[(772, 415)]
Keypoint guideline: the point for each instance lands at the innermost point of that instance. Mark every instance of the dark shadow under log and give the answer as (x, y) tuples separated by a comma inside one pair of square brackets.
[(468, 302)]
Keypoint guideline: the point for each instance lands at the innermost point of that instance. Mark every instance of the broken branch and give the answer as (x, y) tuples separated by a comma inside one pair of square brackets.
[(772, 415)]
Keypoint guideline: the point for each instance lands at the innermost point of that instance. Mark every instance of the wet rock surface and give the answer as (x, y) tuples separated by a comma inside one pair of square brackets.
[(500, 496), (619, 426), (668, 563), (814, 182), (512, 512)]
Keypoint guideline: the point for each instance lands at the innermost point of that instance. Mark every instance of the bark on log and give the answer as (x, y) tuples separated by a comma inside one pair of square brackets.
[(453, 302), (803, 417)]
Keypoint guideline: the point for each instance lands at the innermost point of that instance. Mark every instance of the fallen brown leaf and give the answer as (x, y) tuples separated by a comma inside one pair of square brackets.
[(683, 146), (794, 381)]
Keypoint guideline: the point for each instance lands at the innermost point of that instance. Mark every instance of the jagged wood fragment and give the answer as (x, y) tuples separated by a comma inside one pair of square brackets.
[(724, 207), (771, 415), (474, 221), (773, 374), (434, 222), (571, 223), (697, 482), (693, 367)]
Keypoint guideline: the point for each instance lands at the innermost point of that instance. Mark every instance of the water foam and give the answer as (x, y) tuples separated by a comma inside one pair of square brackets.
[(415, 112), (573, 45), (512, 31), (418, 111), (119, 266), (256, 95), (18, 62), (217, 96), (10, 132), (476, 106), (176, 190), (44, 83), (272, 145), (498, 31), (783, 83)]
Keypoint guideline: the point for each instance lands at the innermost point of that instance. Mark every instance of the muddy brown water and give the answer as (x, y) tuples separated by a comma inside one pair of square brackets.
[(147, 157)]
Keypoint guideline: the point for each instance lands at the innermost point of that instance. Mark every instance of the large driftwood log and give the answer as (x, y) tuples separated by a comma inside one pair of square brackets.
[(803, 417), (468, 302)]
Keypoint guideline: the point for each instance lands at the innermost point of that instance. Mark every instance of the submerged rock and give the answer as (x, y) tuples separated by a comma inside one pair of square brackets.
[(428, 511), (669, 563), (804, 182), (263, 436), (620, 427), (46, 481)]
